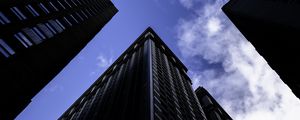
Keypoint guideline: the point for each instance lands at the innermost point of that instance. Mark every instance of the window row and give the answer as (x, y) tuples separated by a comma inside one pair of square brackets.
[(40, 32), (35, 10)]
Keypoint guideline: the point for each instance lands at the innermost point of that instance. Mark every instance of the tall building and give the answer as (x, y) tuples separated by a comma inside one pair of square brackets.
[(273, 27), (147, 82), (37, 39), (210, 106)]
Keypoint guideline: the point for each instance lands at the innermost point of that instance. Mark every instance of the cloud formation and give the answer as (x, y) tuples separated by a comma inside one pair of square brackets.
[(103, 61), (224, 62)]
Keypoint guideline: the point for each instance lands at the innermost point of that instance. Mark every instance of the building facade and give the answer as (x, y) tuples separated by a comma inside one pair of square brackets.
[(37, 39), (211, 108), (147, 82), (273, 27)]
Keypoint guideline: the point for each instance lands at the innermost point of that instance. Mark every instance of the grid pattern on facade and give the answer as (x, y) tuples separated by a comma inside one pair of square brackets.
[(147, 82), (173, 95), (117, 94), (37, 21)]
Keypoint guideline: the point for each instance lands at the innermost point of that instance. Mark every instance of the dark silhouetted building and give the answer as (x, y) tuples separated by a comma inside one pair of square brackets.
[(210, 106), (147, 82), (273, 27), (37, 39)]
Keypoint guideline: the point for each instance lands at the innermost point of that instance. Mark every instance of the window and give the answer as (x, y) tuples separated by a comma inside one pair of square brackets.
[(55, 25), (88, 12), (42, 6), (79, 2), (82, 12), (45, 30), (18, 13), (73, 2), (74, 18), (32, 35), (5, 49), (50, 28), (32, 11), (23, 39), (79, 16), (59, 23), (3, 52), (67, 21), (39, 32), (68, 3), (3, 19), (61, 5), (53, 6)]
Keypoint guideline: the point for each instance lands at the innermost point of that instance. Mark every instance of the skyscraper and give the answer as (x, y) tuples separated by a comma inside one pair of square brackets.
[(37, 39), (273, 27), (147, 82), (210, 106)]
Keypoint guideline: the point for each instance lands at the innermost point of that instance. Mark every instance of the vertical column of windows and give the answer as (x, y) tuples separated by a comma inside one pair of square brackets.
[(3, 19), (23, 39), (45, 30), (61, 5), (5, 49), (54, 8), (33, 35), (173, 81), (56, 26), (43, 7), (18, 13), (32, 10)]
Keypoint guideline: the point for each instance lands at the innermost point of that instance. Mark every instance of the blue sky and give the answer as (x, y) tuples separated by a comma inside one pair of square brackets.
[(217, 55)]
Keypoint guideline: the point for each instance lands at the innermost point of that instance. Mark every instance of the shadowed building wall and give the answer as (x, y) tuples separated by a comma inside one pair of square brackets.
[(210, 106), (37, 39), (273, 27)]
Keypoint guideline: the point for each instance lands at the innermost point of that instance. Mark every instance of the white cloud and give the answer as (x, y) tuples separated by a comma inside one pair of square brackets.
[(103, 61), (187, 3), (244, 83)]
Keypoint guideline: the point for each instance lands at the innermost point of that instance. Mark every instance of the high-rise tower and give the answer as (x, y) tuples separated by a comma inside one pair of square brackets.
[(211, 108), (37, 39), (273, 27), (147, 82)]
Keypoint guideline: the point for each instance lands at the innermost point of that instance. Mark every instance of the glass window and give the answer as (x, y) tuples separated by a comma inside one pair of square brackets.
[(53, 6), (39, 32), (3, 52), (61, 5), (68, 3), (82, 12), (67, 21), (32, 11), (5, 49), (59, 23), (18, 13), (88, 12), (73, 2), (42, 6), (32, 35), (55, 25), (23, 39), (79, 16), (3, 19), (50, 28), (45, 30), (79, 2), (74, 18)]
